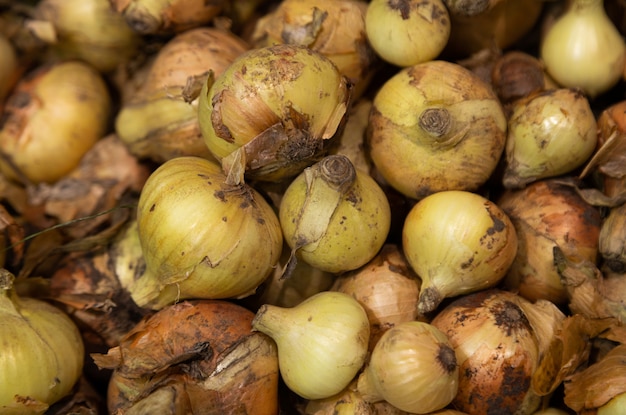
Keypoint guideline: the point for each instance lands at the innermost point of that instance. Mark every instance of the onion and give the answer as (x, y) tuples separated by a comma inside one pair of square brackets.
[(550, 133), (273, 112), (197, 357), (413, 367), (88, 30), (498, 338), (334, 217), (52, 118), (516, 75), (611, 244), (202, 238), (394, 28), (429, 117), (333, 28), (322, 342), (584, 49), (546, 214), (163, 17), (457, 242), (387, 289), (158, 121), (42, 352)]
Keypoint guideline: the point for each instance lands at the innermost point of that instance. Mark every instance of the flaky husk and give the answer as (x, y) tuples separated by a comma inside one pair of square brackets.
[(197, 357), (159, 120), (429, 117), (548, 214), (498, 337)]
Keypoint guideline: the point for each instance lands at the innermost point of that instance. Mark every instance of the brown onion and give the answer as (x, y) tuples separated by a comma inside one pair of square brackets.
[(198, 357), (546, 214), (498, 338)]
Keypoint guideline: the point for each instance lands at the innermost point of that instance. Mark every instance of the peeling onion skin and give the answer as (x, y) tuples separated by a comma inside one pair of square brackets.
[(202, 238), (497, 352), (430, 117), (52, 118)]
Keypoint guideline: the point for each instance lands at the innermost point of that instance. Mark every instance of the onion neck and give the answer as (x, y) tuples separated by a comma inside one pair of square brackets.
[(271, 320), (587, 6)]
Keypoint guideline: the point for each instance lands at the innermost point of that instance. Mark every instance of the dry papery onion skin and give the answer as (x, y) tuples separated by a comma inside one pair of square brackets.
[(430, 117), (273, 112), (51, 119), (201, 237), (333, 216), (195, 357), (457, 242)]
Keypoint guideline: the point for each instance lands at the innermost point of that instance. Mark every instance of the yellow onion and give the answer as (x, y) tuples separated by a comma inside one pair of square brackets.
[(347, 402), (498, 338), (387, 289), (430, 117), (546, 214), (611, 244), (89, 30), (273, 112), (158, 121), (163, 17), (322, 342), (407, 32), (550, 133), (517, 74), (42, 352), (195, 357), (413, 367), (478, 25), (334, 28), (201, 237), (9, 72), (52, 118), (584, 49), (334, 217), (457, 242)]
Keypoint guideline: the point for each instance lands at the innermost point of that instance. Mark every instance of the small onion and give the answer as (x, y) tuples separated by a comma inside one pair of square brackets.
[(334, 217), (548, 213), (397, 30), (457, 242), (550, 133), (413, 367), (498, 338), (201, 237), (273, 112), (322, 342), (584, 49), (52, 118), (195, 357), (430, 117), (42, 352)]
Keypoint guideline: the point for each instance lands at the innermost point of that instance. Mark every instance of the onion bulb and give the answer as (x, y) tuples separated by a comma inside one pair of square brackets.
[(158, 121), (195, 357), (201, 237), (273, 112), (457, 242), (413, 367), (52, 118), (42, 352), (89, 30), (584, 49), (430, 117), (546, 214), (333, 216), (407, 32), (550, 133), (498, 338), (334, 28), (322, 342)]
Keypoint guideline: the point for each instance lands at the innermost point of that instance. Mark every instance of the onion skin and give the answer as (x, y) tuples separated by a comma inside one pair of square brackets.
[(202, 238), (52, 118), (199, 357), (546, 214), (497, 352), (429, 117), (9, 70)]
